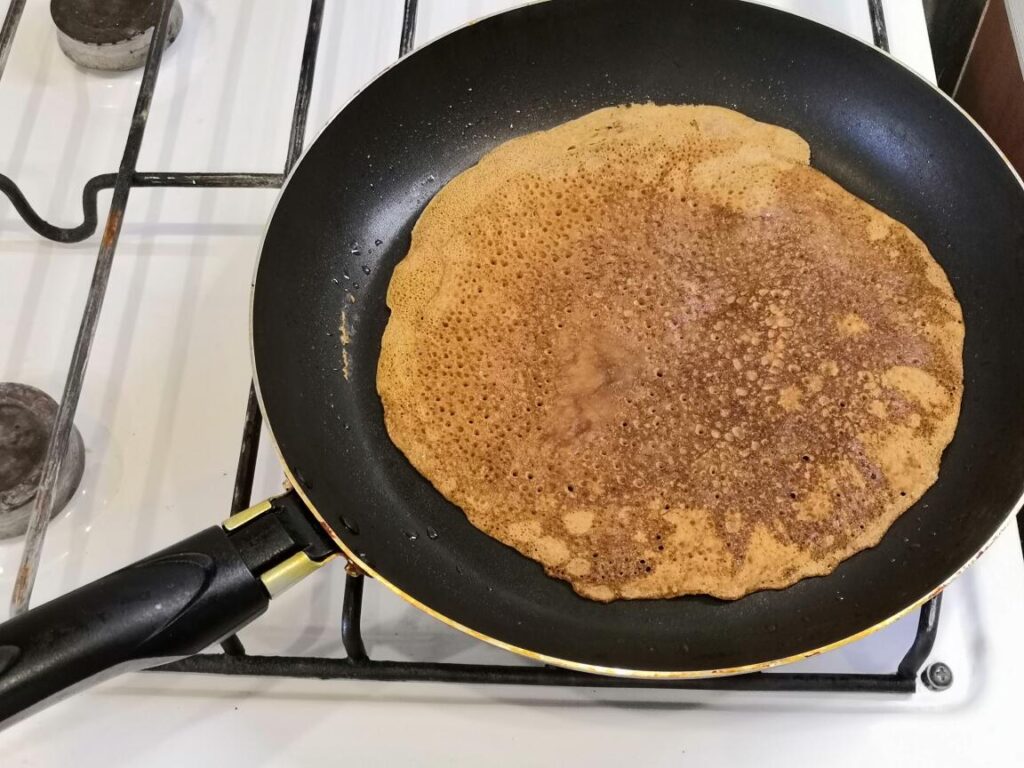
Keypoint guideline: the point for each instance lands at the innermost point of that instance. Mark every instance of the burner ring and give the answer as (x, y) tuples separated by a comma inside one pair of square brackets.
[(27, 415), (110, 34)]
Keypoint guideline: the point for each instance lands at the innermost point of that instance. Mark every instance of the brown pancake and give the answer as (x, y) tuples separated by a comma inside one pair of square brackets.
[(657, 352)]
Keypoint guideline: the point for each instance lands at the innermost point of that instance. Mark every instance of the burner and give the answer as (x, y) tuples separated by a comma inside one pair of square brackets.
[(26, 418), (109, 34)]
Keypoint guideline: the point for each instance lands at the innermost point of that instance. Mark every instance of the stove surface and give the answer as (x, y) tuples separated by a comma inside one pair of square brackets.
[(161, 416)]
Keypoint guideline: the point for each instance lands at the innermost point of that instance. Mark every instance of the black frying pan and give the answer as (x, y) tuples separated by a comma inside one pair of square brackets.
[(343, 222)]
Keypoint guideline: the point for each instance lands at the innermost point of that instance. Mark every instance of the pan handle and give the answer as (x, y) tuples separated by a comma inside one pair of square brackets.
[(172, 604)]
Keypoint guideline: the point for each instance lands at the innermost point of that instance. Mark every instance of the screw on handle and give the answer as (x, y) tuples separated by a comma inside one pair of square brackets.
[(937, 676)]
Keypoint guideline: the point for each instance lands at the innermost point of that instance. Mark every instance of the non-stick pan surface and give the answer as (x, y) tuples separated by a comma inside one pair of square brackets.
[(344, 220)]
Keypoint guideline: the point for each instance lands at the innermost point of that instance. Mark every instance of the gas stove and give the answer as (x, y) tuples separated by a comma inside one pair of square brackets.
[(164, 405)]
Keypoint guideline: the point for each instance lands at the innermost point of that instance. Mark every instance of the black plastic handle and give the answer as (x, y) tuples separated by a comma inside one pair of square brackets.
[(170, 605)]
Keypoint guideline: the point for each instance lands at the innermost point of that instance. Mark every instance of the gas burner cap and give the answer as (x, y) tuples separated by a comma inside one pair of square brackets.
[(26, 418), (109, 34)]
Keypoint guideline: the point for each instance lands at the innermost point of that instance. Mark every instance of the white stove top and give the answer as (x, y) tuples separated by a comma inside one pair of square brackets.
[(161, 415)]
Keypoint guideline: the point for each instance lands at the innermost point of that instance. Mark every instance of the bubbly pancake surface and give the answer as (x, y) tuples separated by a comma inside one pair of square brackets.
[(656, 351)]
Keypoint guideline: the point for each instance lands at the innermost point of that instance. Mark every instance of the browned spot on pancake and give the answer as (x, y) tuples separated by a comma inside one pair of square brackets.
[(578, 522), (578, 566), (657, 352), (551, 550), (789, 398), (852, 324), (877, 408), (878, 227), (918, 385), (598, 592)]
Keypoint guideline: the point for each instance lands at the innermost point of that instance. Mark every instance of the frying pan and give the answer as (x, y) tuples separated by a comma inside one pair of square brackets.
[(344, 220)]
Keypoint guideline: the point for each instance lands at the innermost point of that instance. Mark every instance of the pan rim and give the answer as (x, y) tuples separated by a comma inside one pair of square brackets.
[(640, 674)]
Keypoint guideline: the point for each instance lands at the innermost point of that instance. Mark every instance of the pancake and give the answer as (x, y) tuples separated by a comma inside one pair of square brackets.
[(657, 352)]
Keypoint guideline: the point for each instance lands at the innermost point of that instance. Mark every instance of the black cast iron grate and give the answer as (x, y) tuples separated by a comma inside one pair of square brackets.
[(357, 663)]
